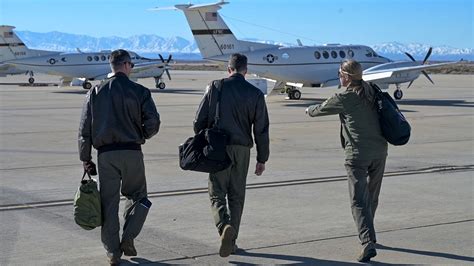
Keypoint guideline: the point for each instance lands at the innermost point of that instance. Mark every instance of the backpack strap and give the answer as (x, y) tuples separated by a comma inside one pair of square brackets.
[(377, 96), (343, 140), (216, 85)]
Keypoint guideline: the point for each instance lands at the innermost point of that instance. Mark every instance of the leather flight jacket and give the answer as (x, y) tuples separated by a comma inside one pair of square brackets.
[(119, 114), (242, 110)]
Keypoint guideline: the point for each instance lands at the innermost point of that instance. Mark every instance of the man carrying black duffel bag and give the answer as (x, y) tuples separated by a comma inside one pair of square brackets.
[(242, 107)]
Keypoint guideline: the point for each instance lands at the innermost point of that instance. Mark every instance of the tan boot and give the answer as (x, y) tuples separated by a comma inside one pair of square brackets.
[(128, 247), (227, 237), (368, 251)]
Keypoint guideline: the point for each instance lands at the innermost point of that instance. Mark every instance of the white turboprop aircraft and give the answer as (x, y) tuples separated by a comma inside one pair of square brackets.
[(12, 48), (92, 66), (294, 67)]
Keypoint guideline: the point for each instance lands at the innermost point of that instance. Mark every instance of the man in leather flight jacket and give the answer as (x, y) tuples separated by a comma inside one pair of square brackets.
[(117, 117), (242, 108)]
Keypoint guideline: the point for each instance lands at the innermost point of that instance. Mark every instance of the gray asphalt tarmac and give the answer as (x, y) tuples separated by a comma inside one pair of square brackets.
[(297, 212)]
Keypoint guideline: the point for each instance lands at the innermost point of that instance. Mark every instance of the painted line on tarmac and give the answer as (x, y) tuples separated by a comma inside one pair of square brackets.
[(379, 246), (294, 182)]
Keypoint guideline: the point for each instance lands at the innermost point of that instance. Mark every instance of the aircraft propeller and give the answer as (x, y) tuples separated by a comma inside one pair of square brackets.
[(166, 64), (424, 62)]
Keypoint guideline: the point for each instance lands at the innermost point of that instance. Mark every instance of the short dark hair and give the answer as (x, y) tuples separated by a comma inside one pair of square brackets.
[(238, 62), (118, 57)]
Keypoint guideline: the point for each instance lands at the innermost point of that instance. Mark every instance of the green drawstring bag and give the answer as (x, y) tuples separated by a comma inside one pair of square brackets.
[(87, 208)]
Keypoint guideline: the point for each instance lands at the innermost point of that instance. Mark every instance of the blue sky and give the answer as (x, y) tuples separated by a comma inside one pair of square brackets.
[(433, 22)]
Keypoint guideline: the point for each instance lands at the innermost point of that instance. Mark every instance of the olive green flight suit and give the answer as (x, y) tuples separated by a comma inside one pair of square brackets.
[(366, 151)]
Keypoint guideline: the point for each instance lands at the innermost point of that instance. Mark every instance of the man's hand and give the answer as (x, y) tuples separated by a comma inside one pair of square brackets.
[(89, 167), (259, 168)]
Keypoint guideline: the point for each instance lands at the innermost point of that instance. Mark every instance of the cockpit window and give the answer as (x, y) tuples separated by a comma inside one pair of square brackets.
[(369, 53)]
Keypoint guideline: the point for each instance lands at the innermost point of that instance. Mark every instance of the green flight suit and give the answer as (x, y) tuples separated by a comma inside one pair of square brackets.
[(366, 151)]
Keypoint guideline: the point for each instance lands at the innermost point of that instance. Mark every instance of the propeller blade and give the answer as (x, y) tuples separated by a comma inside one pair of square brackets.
[(168, 73), (169, 59), (161, 57), (411, 57), (428, 55), (410, 84), (427, 76)]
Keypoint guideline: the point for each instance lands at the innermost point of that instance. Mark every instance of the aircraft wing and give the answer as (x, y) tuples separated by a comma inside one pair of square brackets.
[(385, 71)]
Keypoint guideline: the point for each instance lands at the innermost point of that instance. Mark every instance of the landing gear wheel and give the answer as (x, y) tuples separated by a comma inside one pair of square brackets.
[(87, 85), (31, 80), (161, 86), (398, 94), (295, 95)]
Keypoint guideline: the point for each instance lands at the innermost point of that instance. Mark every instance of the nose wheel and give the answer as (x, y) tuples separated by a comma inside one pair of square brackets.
[(398, 94), (31, 80), (159, 84), (293, 93), (86, 85)]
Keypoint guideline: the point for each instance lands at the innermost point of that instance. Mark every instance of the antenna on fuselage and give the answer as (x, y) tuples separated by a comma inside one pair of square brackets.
[(299, 42)]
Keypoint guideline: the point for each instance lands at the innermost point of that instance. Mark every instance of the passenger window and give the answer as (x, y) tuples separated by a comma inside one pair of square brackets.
[(333, 54), (96, 58), (285, 56), (317, 55), (326, 54), (63, 59), (89, 58), (342, 54), (350, 53), (102, 58)]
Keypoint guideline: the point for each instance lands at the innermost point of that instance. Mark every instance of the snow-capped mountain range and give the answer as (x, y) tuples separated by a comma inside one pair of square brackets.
[(151, 45)]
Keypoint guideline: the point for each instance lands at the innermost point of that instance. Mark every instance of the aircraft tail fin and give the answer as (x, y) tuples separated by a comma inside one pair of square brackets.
[(12, 47), (212, 35)]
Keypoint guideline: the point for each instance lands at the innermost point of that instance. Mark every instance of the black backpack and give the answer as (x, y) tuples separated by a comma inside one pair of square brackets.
[(395, 128)]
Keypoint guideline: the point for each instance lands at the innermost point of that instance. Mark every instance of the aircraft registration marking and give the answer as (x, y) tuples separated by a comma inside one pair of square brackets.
[(225, 46)]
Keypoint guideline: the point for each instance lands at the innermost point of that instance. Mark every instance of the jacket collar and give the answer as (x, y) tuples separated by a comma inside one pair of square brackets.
[(237, 75), (119, 74)]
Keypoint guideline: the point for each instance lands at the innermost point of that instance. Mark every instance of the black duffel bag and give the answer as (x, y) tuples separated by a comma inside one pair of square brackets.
[(395, 127), (206, 151), (201, 154)]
